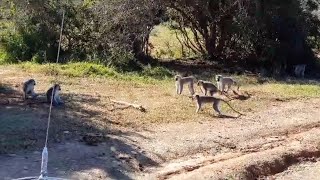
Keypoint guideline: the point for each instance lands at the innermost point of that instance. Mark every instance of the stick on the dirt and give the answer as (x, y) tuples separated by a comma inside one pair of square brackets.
[(136, 106)]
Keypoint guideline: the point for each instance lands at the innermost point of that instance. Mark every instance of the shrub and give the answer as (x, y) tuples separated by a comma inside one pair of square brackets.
[(157, 72), (14, 47), (123, 61)]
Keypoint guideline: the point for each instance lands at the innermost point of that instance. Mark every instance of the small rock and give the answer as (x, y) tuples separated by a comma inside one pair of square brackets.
[(25, 168)]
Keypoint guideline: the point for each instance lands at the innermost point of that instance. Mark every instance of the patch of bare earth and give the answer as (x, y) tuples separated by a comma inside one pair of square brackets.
[(269, 140)]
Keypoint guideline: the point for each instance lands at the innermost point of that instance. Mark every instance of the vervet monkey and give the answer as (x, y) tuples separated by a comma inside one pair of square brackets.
[(207, 86), (181, 81), (54, 90), (28, 89), (299, 70), (200, 100), (225, 81)]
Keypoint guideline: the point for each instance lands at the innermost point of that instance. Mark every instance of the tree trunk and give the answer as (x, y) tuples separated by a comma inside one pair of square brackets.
[(210, 42), (259, 9)]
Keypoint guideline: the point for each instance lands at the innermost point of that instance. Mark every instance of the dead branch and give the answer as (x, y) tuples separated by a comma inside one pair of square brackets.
[(136, 106)]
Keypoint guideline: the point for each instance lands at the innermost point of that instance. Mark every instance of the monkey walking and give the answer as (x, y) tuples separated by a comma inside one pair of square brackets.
[(225, 81), (207, 86), (54, 90), (28, 89), (181, 81), (200, 100)]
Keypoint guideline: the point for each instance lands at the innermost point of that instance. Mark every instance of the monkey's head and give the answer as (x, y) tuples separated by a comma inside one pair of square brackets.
[(218, 77), (199, 82), (195, 96), (32, 82), (57, 87), (177, 77)]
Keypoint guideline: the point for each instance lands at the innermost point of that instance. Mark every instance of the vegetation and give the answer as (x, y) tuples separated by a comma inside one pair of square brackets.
[(147, 75), (273, 35), (165, 43)]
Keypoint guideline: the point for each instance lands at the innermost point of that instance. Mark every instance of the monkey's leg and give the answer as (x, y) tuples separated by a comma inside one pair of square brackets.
[(191, 89), (205, 92), (216, 107), (27, 94), (180, 88), (198, 107), (211, 93), (177, 88), (33, 94), (223, 88), (228, 87)]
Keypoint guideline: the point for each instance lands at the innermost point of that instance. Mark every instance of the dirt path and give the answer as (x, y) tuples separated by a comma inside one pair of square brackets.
[(218, 148)]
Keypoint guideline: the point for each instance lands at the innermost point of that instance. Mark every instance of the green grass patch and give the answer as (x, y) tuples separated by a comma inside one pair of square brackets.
[(292, 90), (147, 75)]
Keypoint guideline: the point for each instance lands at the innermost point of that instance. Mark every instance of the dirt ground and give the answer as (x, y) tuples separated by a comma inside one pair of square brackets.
[(277, 142)]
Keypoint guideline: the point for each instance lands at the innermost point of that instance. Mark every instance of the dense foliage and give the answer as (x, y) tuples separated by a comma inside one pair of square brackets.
[(112, 32), (272, 34)]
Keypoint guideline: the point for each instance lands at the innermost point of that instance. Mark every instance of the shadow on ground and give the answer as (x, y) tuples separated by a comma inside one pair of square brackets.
[(23, 128)]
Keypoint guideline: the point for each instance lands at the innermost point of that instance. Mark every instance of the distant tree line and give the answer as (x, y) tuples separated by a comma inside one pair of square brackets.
[(272, 34)]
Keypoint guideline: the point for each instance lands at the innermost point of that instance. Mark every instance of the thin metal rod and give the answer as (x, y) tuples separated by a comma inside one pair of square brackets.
[(50, 108)]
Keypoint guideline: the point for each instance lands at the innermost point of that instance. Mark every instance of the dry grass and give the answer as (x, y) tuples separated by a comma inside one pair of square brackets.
[(88, 106), (160, 100)]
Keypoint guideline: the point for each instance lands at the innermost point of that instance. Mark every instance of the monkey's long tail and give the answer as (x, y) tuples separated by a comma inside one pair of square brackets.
[(224, 93), (232, 107)]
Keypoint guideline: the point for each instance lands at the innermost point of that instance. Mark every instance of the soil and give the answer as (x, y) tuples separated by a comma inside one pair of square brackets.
[(281, 142)]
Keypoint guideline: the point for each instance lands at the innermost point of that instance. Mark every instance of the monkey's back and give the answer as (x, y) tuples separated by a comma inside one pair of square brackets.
[(49, 94)]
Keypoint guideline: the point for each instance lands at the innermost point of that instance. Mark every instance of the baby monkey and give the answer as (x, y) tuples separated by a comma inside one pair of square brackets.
[(28, 89), (200, 100), (207, 86), (55, 91)]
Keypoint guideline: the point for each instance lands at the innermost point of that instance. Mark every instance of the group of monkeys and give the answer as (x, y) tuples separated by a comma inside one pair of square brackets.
[(52, 93), (208, 87)]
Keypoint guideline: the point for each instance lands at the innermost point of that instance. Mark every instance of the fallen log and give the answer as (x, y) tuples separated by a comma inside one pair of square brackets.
[(136, 106)]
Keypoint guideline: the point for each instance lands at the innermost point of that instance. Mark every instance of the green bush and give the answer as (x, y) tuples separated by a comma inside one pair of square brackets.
[(87, 69), (123, 61), (37, 58), (14, 47), (157, 72)]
